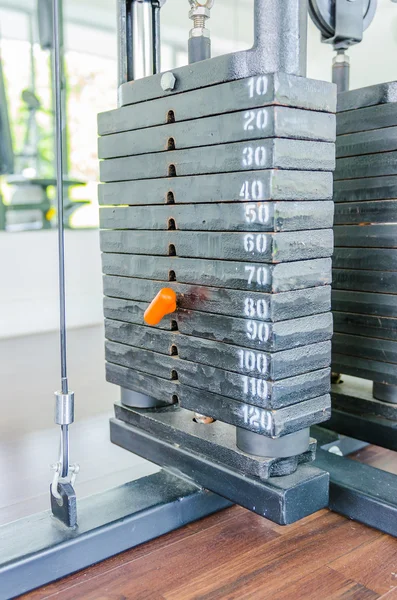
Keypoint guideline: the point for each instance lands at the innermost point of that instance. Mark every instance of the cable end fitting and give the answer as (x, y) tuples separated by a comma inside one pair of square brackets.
[(64, 408), (199, 13)]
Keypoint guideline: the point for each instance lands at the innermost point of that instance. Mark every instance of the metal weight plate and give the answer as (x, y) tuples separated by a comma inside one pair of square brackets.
[(247, 247), (381, 93), (255, 277), (369, 259), (369, 165), (131, 312), (366, 325), (382, 372), (365, 119), (382, 235), (367, 142), (258, 123), (246, 186), (364, 281), (254, 216), (364, 403), (252, 92), (354, 213), (218, 440), (383, 305), (271, 423), (224, 158), (274, 423), (369, 188), (255, 391), (155, 387), (362, 347), (256, 335), (139, 336), (276, 365), (256, 305), (264, 365)]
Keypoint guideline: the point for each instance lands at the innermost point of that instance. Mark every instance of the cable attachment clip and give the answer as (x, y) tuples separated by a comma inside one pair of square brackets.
[(63, 416), (73, 471)]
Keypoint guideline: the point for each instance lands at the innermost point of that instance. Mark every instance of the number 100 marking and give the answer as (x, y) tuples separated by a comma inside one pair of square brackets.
[(253, 362)]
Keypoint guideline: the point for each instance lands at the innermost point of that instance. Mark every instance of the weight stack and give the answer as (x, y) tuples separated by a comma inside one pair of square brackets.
[(225, 196), (365, 259)]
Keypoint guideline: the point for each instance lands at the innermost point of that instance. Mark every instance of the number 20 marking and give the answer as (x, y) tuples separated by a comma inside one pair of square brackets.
[(255, 119)]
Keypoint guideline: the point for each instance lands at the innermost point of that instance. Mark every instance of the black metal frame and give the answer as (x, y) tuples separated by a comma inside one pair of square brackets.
[(358, 491), (39, 549), (361, 492)]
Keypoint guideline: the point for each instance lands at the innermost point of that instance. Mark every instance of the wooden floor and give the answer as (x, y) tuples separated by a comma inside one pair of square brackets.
[(238, 555)]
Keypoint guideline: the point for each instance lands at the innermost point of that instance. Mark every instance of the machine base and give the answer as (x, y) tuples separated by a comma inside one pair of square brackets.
[(39, 549), (361, 492), (357, 414), (283, 499)]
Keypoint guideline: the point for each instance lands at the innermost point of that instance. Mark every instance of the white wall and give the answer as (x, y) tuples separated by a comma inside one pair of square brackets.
[(29, 281)]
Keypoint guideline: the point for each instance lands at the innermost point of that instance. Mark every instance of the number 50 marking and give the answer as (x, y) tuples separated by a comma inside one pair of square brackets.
[(255, 212)]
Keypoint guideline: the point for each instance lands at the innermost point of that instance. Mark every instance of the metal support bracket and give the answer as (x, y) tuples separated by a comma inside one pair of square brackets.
[(280, 45)]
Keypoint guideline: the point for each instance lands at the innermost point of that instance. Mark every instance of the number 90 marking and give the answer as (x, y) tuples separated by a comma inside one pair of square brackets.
[(257, 331)]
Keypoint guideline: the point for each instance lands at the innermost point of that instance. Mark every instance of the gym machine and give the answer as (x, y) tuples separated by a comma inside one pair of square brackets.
[(216, 242), (218, 215)]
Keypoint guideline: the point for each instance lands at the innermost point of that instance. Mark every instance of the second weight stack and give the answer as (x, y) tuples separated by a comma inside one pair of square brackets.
[(365, 258)]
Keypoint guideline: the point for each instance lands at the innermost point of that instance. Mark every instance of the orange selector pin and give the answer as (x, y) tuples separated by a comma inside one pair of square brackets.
[(163, 304)]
